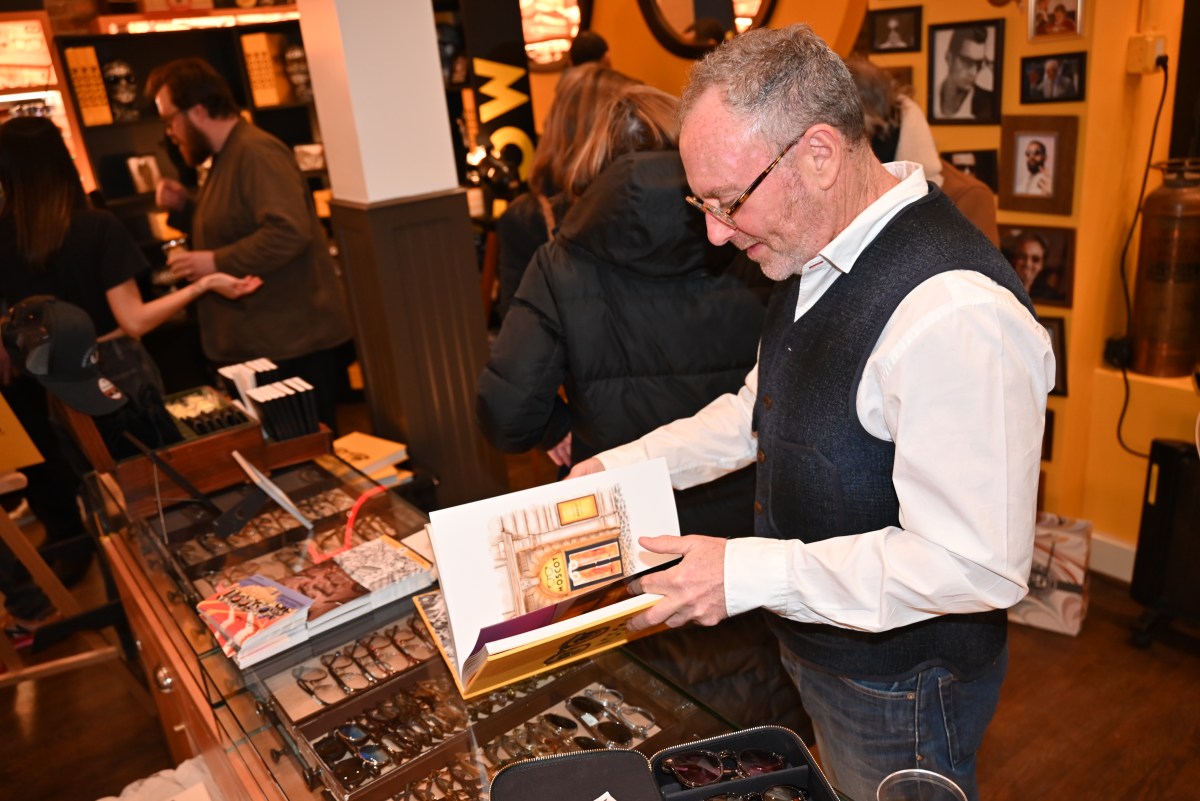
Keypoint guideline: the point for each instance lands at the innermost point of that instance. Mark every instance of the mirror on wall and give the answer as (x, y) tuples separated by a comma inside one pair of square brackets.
[(690, 28), (549, 27)]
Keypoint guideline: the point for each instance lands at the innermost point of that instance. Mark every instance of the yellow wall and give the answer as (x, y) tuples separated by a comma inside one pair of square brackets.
[(1089, 476)]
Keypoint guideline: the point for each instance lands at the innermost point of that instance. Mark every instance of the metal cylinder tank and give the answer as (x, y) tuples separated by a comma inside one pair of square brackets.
[(1166, 310)]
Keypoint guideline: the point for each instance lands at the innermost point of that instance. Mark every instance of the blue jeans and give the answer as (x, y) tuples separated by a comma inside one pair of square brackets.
[(866, 729)]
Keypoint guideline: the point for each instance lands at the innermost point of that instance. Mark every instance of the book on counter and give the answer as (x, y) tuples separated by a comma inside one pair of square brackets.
[(389, 569), (256, 617), (536, 579), (370, 454), (336, 597)]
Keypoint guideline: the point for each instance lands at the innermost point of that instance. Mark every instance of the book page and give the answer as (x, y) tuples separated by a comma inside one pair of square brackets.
[(504, 557)]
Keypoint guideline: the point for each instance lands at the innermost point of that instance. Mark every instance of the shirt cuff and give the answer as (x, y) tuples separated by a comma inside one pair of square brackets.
[(755, 575)]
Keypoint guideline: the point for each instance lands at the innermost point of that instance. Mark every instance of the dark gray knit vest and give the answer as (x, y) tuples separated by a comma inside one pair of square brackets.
[(820, 474)]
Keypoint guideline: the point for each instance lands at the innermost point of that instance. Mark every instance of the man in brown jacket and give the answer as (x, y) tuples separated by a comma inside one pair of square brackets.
[(252, 215)]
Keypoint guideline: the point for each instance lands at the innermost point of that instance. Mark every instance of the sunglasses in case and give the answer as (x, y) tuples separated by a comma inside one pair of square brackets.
[(702, 768)]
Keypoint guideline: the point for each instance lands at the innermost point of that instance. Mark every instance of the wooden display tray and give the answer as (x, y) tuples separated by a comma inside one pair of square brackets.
[(207, 462)]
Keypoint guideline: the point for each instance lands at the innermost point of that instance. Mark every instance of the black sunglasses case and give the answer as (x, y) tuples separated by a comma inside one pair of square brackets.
[(630, 776)]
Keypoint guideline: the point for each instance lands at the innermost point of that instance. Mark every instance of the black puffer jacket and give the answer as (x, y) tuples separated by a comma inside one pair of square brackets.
[(630, 309)]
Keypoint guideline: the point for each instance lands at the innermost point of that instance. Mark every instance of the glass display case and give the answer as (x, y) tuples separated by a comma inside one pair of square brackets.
[(367, 709)]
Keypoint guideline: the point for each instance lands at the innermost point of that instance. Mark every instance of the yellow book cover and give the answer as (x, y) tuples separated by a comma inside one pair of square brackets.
[(368, 453), (535, 578), (494, 666)]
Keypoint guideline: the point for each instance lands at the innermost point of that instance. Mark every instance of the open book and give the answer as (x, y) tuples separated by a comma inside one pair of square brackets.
[(535, 579)]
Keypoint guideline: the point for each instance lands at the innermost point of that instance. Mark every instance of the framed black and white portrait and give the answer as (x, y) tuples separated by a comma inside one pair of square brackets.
[(965, 69), (1044, 260), (1037, 163), (1060, 78), (978, 163), (895, 30)]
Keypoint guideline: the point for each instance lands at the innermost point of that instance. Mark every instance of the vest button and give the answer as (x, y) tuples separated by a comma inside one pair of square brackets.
[(758, 507), (762, 457), (767, 401)]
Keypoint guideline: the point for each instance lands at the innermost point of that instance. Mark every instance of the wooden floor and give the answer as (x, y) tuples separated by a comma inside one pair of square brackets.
[(1087, 717)]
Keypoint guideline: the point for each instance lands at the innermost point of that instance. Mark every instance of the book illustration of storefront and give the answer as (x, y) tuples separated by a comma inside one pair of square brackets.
[(552, 552)]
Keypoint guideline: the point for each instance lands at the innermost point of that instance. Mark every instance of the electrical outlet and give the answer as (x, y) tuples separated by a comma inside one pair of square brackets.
[(1143, 52)]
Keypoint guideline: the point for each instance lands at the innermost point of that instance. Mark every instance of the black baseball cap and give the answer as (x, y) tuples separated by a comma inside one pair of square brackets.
[(55, 342)]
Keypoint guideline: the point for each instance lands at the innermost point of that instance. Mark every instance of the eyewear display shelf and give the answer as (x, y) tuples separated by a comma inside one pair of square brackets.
[(364, 711)]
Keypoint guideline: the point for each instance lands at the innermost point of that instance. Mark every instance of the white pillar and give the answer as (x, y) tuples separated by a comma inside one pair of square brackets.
[(377, 79)]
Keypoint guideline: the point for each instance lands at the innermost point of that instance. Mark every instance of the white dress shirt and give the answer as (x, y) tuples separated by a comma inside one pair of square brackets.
[(958, 381)]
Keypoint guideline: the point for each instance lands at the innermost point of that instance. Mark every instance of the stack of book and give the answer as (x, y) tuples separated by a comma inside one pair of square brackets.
[(256, 618), (375, 457), (286, 408)]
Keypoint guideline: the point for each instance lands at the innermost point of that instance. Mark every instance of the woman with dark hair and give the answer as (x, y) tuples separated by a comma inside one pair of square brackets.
[(52, 243)]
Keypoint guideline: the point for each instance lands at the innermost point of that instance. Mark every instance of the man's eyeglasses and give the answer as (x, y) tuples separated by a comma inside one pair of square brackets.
[(725, 214)]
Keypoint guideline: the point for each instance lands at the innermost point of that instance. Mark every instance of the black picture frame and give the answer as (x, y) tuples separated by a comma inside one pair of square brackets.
[(983, 41), (982, 164), (1067, 84), (1048, 437), (895, 30), (1057, 328), (1044, 259)]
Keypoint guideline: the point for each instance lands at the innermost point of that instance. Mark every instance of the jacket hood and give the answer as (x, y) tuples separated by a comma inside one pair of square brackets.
[(634, 216)]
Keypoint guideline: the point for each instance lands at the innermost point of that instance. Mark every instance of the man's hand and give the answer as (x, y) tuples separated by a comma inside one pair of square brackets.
[(586, 468), (192, 264), (170, 194), (560, 454), (228, 286), (693, 590)]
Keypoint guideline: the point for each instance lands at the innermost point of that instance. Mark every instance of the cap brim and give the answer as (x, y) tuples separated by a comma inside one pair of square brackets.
[(86, 395)]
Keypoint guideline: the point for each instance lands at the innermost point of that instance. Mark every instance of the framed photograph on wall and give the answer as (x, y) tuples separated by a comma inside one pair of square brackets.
[(965, 67), (1057, 328), (144, 172), (979, 163), (1037, 164), (896, 30), (1049, 18), (1060, 78), (1044, 259)]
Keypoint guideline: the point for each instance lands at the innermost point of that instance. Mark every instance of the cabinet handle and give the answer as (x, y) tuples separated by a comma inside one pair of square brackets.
[(164, 679)]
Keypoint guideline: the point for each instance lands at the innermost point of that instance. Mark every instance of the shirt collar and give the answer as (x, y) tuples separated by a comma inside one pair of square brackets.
[(844, 250)]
